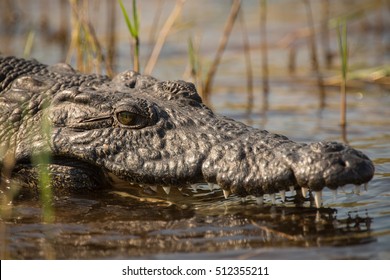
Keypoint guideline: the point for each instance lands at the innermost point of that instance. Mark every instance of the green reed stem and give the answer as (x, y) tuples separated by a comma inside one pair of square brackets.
[(133, 27), (29, 44), (42, 160), (343, 48), (195, 65)]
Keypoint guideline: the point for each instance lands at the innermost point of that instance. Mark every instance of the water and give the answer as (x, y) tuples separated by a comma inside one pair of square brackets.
[(204, 225)]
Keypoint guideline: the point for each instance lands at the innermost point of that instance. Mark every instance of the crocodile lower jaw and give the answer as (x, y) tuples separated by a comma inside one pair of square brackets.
[(260, 200)]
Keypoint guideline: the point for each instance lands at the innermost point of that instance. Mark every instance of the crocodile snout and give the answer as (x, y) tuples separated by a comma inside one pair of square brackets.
[(264, 163)]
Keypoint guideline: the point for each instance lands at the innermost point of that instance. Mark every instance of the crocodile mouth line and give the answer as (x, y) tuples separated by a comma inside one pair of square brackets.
[(273, 198)]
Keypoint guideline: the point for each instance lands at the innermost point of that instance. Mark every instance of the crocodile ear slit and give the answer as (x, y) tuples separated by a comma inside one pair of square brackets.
[(177, 89), (132, 79)]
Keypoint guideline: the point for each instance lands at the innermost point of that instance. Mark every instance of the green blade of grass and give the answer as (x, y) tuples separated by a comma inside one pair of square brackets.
[(42, 160), (343, 47), (135, 19), (29, 44), (133, 28), (191, 55), (134, 31)]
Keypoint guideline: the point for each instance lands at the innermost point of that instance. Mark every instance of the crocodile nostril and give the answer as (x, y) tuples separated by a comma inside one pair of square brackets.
[(132, 84), (343, 163)]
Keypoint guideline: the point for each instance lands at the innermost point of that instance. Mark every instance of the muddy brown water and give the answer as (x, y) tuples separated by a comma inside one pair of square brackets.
[(202, 224)]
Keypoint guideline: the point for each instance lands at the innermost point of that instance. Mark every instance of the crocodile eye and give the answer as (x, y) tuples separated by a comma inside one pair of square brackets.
[(131, 120), (127, 118), (134, 114)]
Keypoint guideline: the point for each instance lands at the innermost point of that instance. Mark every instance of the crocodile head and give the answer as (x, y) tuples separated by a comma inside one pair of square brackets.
[(140, 130)]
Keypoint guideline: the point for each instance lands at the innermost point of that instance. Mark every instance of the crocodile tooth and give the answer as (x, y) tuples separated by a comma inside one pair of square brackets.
[(260, 200), (194, 187), (211, 186), (272, 197), (357, 189), (318, 198), (334, 192), (243, 199), (292, 189), (305, 191), (226, 193), (283, 195), (153, 188), (167, 189)]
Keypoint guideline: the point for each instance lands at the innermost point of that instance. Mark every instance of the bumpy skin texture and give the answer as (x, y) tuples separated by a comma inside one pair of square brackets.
[(152, 132)]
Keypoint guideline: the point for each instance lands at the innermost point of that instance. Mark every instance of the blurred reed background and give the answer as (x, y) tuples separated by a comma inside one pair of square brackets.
[(216, 44)]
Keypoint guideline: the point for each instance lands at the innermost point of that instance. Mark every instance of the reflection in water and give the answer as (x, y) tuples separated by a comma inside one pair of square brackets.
[(112, 227)]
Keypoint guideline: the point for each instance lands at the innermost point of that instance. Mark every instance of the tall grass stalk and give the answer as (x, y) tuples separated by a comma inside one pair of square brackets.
[(156, 20), (221, 48), (313, 54), (7, 153), (7, 188), (162, 36), (63, 33), (42, 160), (89, 53), (343, 48), (248, 63), (325, 41), (29, 44), (111, 31), (264, 53), (133, 27), (195, 65), (74, 39)]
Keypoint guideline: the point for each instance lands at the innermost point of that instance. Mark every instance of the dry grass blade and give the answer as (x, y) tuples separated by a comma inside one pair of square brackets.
[(264, 53), (162, 36), (343, 46), (195, 65), (325, 40), (156, 20), (313, 54), (29, 44), (89, 53), (248, 63), (221, 47), (111, 27)]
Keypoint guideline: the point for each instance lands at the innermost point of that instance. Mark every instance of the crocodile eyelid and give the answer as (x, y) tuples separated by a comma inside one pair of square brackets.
[(131, 118), (94, 119)]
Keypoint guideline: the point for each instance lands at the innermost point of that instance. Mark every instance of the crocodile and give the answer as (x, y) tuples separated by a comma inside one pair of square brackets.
[(134, 129)]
